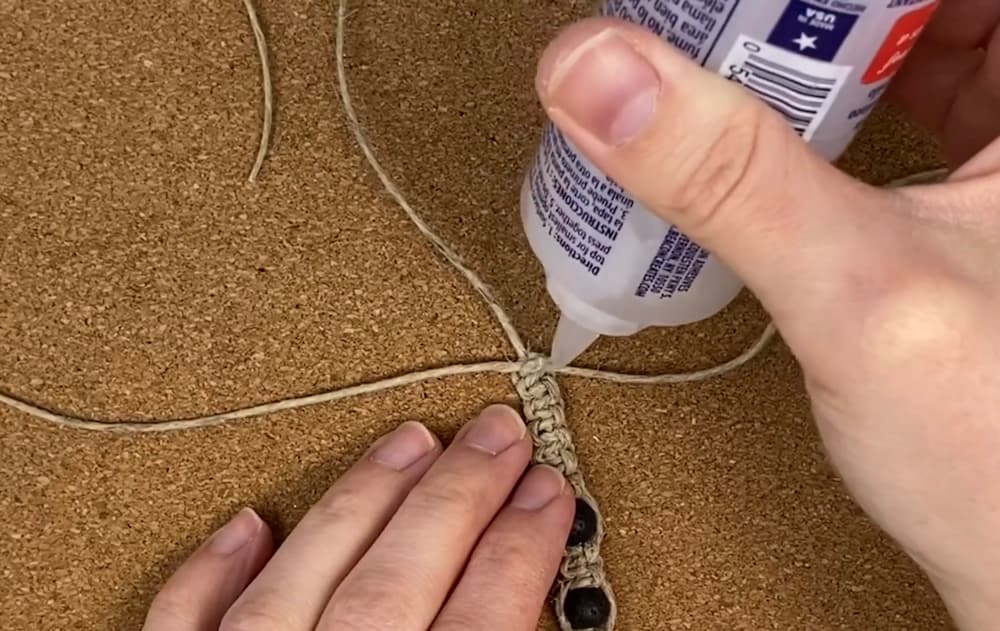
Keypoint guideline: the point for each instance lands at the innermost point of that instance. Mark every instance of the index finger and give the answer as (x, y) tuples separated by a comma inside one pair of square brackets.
[(404, 578)]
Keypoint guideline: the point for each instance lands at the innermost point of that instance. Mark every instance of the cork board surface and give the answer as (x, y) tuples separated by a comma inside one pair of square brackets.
[(142, 277)]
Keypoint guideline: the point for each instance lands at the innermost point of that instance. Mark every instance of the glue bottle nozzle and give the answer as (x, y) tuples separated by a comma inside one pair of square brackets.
[(570, 341)]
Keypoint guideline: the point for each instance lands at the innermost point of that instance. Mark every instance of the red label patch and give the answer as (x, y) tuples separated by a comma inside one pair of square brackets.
[(899, 43)]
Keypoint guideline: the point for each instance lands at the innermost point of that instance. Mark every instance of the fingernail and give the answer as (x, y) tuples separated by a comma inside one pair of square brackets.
[(538, 488), (603, 84), (240, 531), (410, 442), (497, 428)]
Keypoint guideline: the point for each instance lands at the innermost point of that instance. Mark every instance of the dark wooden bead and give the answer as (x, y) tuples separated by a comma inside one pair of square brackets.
[(584, 524), (587, 608)]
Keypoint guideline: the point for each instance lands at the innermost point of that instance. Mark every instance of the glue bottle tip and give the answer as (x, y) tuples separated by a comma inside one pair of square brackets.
[(570, 341)]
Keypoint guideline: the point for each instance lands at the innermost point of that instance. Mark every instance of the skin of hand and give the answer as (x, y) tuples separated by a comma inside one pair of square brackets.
[(951, 80), (888, 298), (413, 537)]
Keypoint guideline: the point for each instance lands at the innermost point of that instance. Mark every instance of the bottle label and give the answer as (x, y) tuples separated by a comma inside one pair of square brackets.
[(674, 268), (801, 90), (813, 31), (899, 43), (692, 26), (582, 209)]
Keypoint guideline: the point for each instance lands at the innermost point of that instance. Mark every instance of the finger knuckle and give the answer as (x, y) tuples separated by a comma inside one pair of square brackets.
[(254, 616), (371, 604), (344, 500), (723, 173), (460, 620), (516, 558), (502, 561), (172, 605), (447, 493)]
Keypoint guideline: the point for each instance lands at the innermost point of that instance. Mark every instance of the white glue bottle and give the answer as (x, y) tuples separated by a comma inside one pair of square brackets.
[(614, 268)]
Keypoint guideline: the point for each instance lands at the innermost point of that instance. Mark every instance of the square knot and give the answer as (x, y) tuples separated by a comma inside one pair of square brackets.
[(585, 598), (537, 387), (534, 365)]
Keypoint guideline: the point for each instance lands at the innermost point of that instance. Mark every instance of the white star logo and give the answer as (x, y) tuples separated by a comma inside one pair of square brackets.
[(805, 42)]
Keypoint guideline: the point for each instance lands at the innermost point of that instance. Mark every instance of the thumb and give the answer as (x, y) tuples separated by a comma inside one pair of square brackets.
[(704, 154)]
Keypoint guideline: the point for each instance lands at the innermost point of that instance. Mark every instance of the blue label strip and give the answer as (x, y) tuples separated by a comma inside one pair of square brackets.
[(812, 31)]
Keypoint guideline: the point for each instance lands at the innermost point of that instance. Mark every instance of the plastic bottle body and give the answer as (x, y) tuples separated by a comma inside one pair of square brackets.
[(610, 267), (614, 268)]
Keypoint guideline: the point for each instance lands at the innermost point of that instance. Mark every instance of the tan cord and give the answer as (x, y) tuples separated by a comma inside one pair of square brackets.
[(390, 186), (282, 405), (684, 377), (143, 427), (265, 72), (544, 408)]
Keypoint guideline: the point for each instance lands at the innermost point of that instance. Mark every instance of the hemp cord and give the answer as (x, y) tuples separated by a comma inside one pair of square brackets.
[(534, 381), (265, 79)]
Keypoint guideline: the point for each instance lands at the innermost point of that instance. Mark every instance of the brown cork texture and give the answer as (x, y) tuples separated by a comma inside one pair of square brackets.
[(142, 276)]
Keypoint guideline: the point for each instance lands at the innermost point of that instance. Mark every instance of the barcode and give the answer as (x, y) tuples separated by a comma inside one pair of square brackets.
[(798, 96), (800, 89)]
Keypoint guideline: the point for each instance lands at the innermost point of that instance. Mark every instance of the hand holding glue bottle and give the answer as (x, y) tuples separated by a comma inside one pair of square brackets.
[(612, 266)]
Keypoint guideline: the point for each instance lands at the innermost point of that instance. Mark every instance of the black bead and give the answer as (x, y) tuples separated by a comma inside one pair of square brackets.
[(584, 524), (587, 608)]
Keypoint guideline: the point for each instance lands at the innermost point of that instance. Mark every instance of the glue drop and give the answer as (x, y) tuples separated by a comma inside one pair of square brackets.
[(612, 267)]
